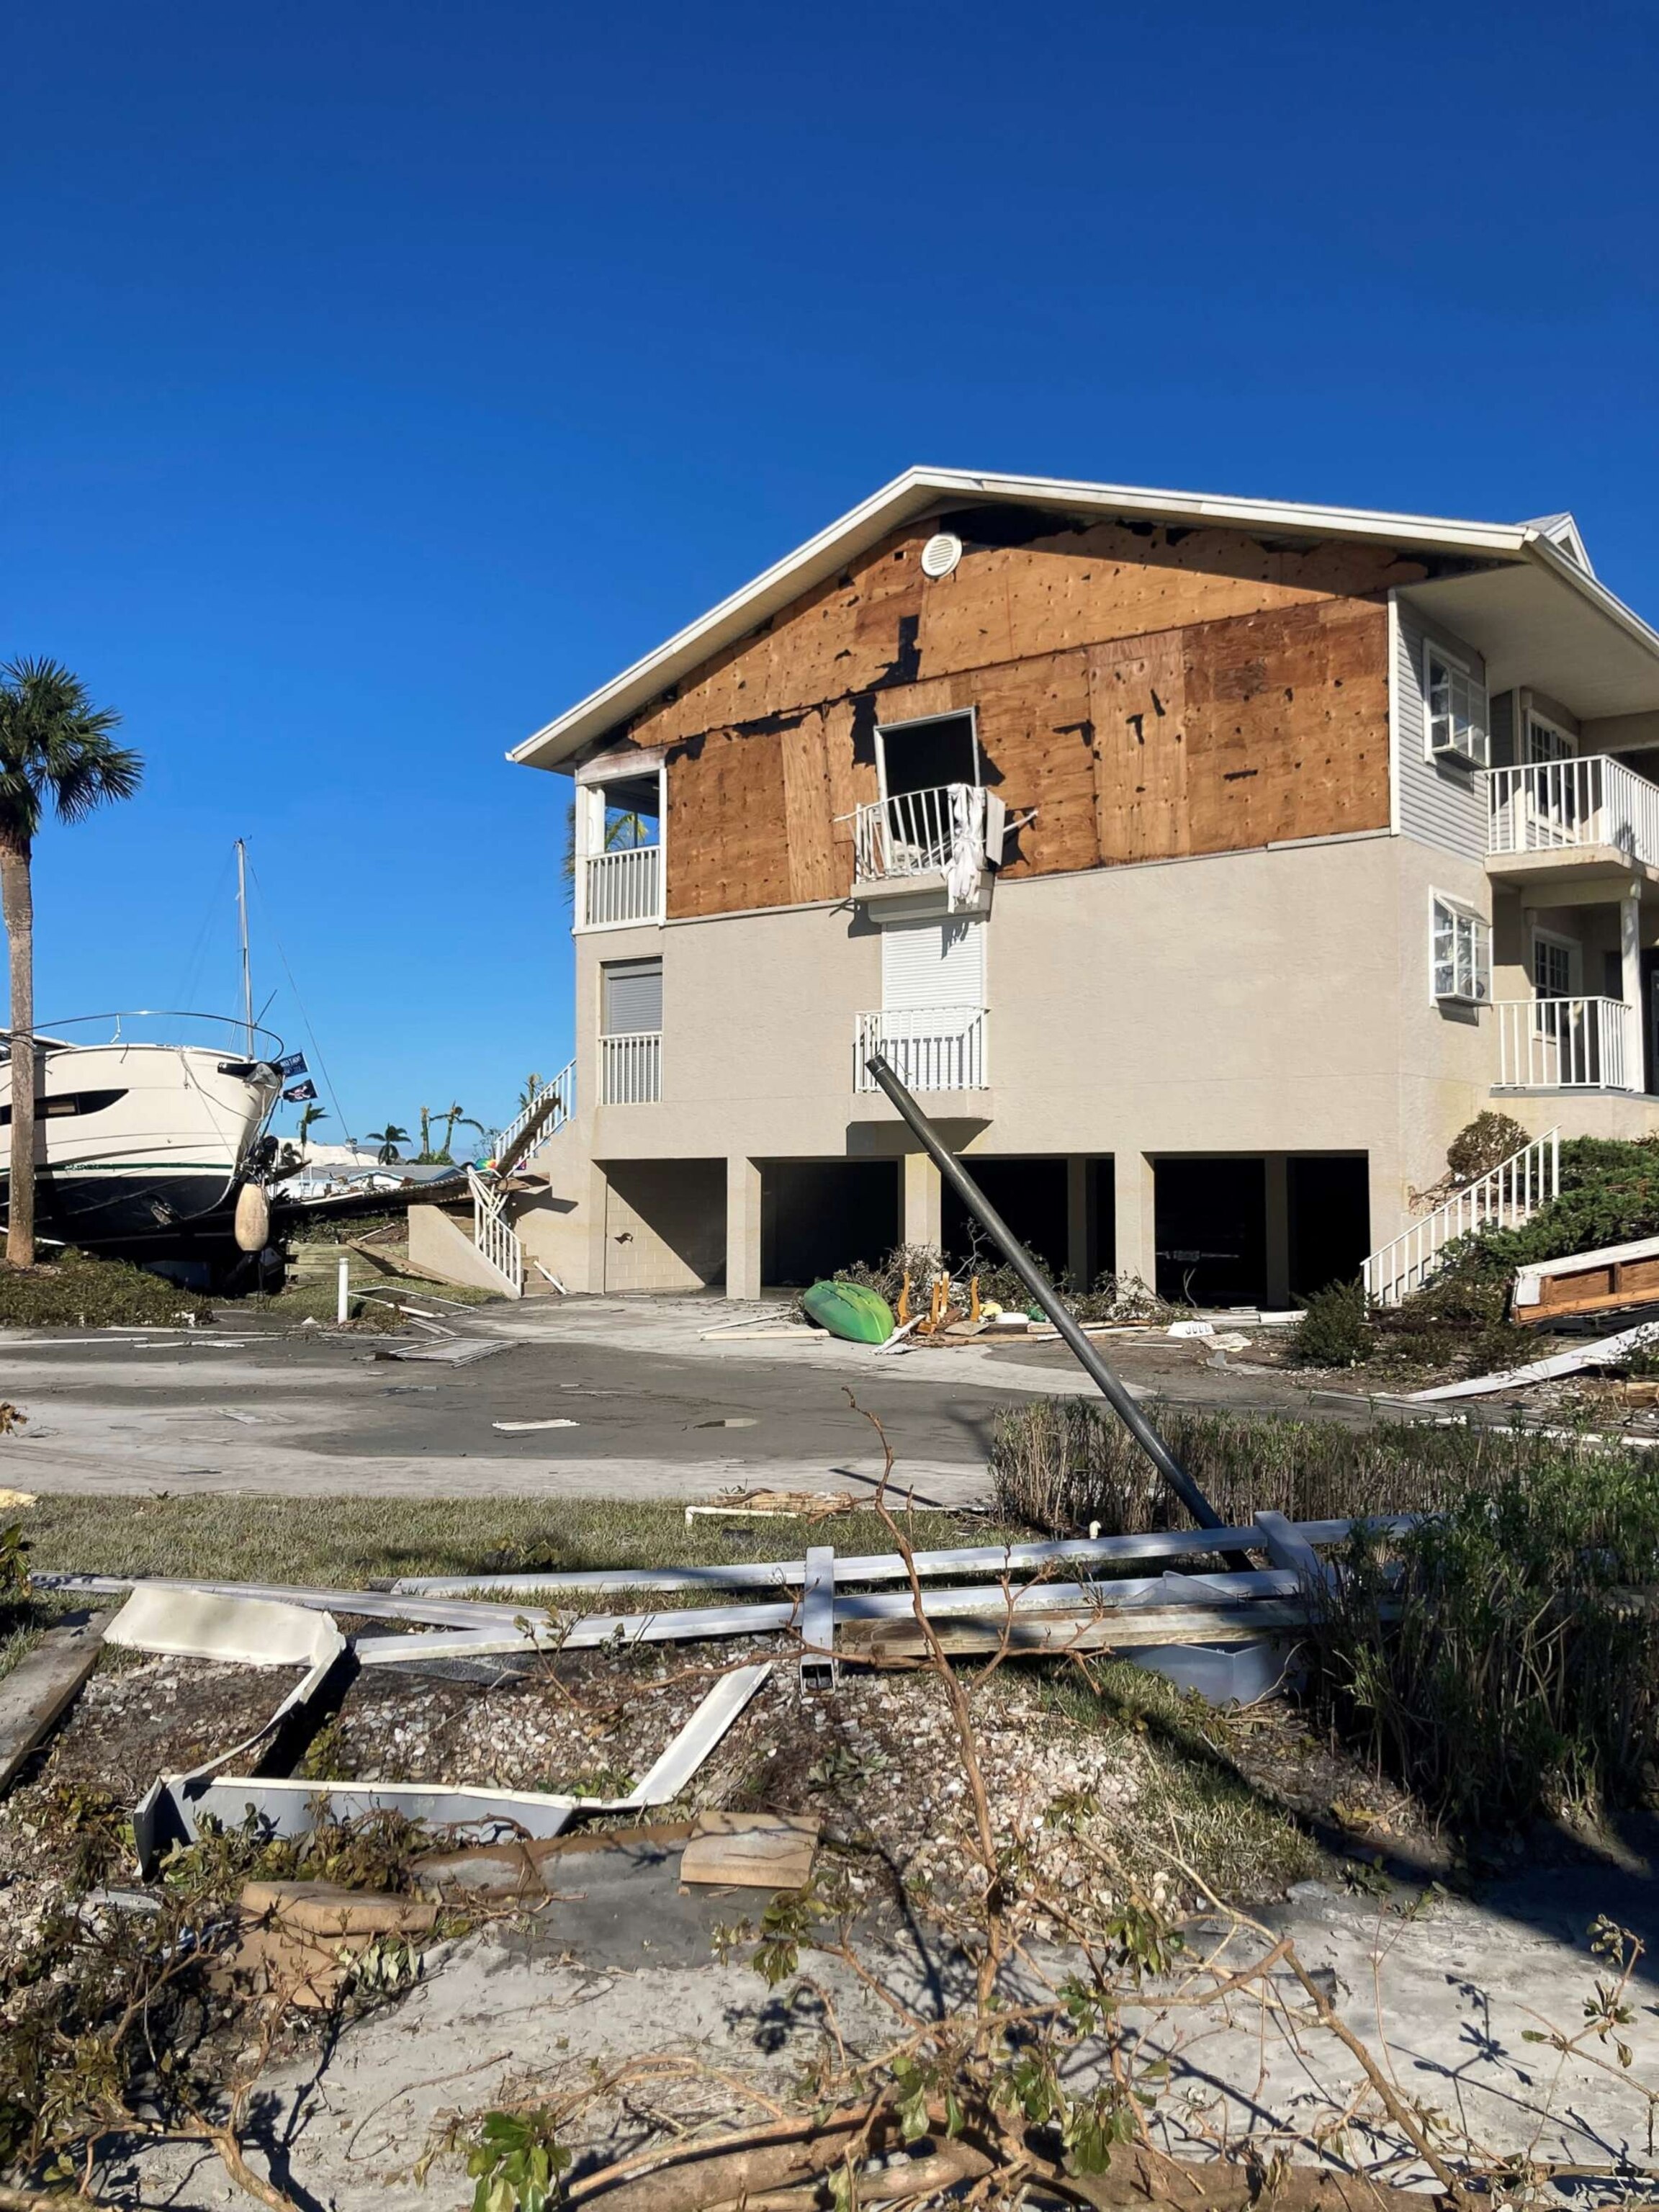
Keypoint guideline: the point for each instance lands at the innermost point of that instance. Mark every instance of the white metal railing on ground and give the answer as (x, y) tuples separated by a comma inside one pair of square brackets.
[(1547, 806), (1507, 1195), (928, 1047), (492, 1234), (622, 886), (551, 1106), (630, 1069), (911, 833), (1566, 1044)]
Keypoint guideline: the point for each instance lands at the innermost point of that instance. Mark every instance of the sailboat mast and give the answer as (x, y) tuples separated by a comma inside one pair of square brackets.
[(248, 970)]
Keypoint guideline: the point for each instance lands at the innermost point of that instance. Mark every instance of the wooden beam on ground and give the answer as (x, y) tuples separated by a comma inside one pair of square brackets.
[(1080, 1628), (41, 1687)]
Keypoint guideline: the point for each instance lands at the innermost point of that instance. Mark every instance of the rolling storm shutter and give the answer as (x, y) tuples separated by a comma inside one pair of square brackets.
[(932, 963), (633, 997)]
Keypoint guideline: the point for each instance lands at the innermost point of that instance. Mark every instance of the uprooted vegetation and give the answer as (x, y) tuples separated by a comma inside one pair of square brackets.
[(1108, 1297), (77, 1290)]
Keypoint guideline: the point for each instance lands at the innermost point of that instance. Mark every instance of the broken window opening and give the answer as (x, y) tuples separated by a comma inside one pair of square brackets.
[(928, 754)]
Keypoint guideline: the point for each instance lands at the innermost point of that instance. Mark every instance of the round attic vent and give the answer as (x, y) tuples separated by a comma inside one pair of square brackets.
[(940, 554)]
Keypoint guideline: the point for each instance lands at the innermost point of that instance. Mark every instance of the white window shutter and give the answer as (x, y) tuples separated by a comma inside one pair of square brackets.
[(932, 963)]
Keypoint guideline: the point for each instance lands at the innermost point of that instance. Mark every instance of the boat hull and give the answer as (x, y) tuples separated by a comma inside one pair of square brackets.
[(136, 1142)]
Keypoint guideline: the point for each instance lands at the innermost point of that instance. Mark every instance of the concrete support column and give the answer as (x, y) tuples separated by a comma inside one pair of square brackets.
[(742, 1228), (1278, 1181), (923, 1196), (1081, 1260), (1630, 955), (1137, 1236), (599, 1209)]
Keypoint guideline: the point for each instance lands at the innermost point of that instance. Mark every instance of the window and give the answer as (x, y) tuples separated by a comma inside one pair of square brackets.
[(1461, 952), (1455, 707), (631, 997), (1551, 968), (52, 1108), (926, 755), (1545, 742)]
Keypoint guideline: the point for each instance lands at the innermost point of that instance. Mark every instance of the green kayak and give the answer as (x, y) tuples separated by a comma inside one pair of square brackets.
[(849, 1310)]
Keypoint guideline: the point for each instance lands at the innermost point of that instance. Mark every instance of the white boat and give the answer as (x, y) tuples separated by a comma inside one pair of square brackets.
[(136, 1136)]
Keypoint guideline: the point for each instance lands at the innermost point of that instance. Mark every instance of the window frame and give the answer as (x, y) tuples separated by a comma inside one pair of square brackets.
[(1478, 706), (607, 969), (592, 781), (1573, 950), (883, 730), (1463, 916), (1552, 728)]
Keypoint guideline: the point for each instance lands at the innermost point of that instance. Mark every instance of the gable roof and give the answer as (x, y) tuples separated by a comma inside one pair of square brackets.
[(1551, 543)]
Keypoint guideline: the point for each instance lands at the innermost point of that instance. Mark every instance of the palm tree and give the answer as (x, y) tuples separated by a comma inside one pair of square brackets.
[(309, 1117), (55, 750), (466, 1122), (452, 1115), (388, 1139), (533, 1084)]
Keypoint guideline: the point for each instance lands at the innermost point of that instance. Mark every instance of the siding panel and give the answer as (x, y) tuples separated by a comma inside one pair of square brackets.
[(1440, 803)]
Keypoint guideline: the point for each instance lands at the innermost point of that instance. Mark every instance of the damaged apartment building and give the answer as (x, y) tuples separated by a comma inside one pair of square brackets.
[(1202, 864)]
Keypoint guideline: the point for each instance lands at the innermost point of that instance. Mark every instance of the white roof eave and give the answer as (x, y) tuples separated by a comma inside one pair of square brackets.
[(919, 489)]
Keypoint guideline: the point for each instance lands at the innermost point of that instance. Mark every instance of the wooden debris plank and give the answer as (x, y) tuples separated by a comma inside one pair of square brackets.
[(751, 1850), (40, 1688)]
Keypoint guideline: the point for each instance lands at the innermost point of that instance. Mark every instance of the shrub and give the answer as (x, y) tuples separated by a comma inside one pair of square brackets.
[(1334, 1330), (1061, 1464), (1609, 1195), (1508, 1668), (1482, 1144)]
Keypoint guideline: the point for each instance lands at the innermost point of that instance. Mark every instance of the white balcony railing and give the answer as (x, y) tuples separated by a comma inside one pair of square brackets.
[(1509, 1194), (630, 1068), (1567, 1044), (1548, 807), (912, 834), (928, 1047), (621, 886)]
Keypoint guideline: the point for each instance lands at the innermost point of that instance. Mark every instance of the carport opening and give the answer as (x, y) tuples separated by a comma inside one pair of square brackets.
[(664, 1225), (820, 1215), (1210, 1220), (1330, 1201), (1031, 1196)]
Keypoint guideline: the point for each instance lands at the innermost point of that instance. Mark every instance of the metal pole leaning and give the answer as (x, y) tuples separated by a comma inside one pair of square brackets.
[(1050, 1300)]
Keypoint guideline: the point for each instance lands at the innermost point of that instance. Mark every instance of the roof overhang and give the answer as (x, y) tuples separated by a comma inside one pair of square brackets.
[(1567, 599)]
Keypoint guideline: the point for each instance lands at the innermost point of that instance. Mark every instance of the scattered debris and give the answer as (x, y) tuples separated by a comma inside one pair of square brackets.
[(301, 1942), (774, 1505), (1601, 1281), (1605, 1352), (751, 1850), (41, 1687), (461, 1353), (518, 1428)]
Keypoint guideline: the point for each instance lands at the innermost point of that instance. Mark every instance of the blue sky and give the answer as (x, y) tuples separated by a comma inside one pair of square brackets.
[(378, 379)]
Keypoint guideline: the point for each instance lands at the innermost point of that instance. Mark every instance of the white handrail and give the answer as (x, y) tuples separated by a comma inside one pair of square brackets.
[(1546, 806), (928, 1047), (630, 1068), (1504, 1197), (561, 1090), (625, 886), (911, 834), (493, 1236), (1566, 1044)]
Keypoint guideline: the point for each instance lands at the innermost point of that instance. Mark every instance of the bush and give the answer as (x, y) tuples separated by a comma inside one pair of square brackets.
[(1609, 1195), (77, 1291), (1334, 1330), (1482, 1144), (1061, 1464), (1508, 1669)]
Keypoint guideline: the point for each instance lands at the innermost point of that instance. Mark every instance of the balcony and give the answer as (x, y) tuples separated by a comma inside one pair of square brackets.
[(630, 1069), (621, 886), (1549, 815), (1567, 1044), (912, 834), (927, 1048)]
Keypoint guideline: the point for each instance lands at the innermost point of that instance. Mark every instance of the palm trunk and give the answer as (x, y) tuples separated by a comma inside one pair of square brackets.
[(17, 903)]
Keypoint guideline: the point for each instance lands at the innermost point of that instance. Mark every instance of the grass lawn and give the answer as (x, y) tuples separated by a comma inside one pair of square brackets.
[(347, 1543)]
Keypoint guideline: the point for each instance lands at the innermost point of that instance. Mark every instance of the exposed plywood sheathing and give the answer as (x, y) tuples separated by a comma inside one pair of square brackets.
[(1151, 692)]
